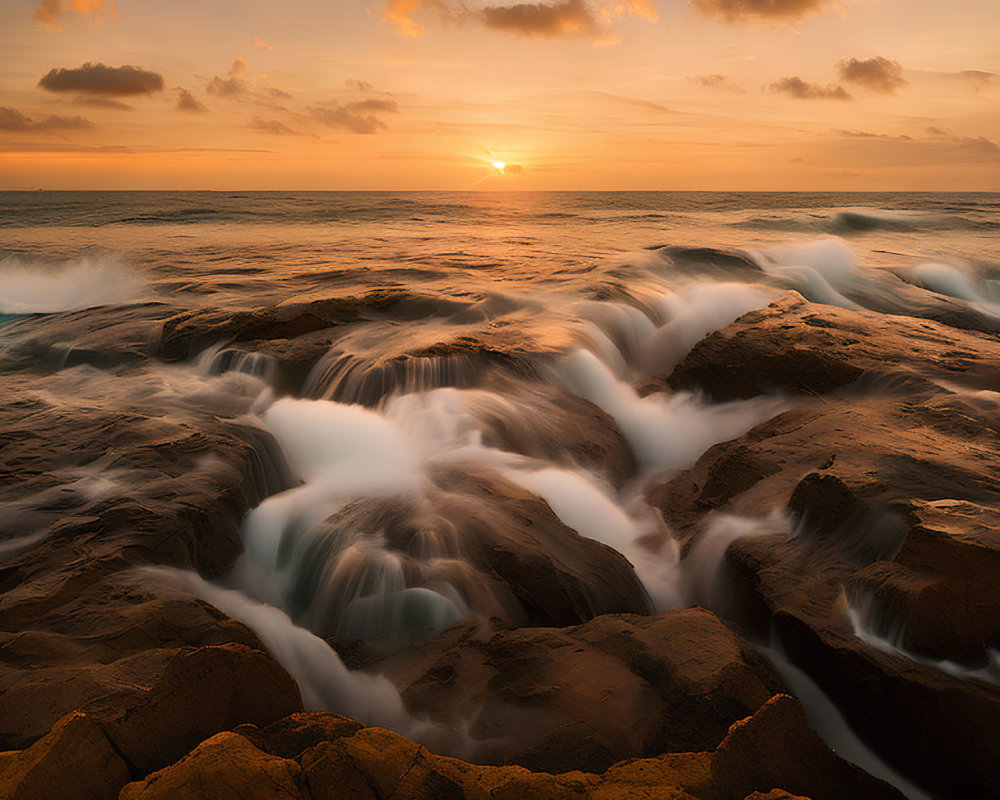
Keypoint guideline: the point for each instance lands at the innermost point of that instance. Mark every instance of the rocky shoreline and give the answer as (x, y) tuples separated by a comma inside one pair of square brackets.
[(867, 555)]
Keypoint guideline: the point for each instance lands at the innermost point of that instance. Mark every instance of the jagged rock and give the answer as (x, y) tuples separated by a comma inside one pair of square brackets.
[(766, 752), (225, 767), (586, 697), (795, 346)]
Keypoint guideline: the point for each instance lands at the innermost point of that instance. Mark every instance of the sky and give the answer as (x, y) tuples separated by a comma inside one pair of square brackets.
[(816, 95)]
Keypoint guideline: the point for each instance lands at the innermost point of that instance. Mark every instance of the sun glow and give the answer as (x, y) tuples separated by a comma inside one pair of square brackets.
[(499, 166)]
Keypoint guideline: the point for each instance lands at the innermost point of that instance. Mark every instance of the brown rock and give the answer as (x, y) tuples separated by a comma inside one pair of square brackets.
[(795, 346), (586, 697), (75, 761), (777, 748), (225, 767), (202, 691)]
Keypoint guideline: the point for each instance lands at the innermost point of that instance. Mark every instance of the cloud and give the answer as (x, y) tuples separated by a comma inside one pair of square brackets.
[(258, 42), (97, 101), (878, 74), (738, 10), (801, 90), (636, 102), (101, 79), (362, 86), (357, 117), (272, 126), (188, 102), (868, 135), (232, 85), (568, 18), (13, 120), (716, 81), (591, 19), (979, 78), (48, 11)]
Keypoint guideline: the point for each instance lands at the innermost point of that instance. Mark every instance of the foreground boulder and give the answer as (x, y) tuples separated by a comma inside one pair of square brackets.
[(587, 696), (772, 754)]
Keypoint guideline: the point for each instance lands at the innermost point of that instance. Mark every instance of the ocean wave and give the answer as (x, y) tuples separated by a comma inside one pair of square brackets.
[(28, 287)]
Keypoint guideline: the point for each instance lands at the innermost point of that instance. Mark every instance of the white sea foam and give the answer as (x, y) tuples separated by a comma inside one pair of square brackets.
[(32, 288), (323, 680), (664, 431), (693, 312)]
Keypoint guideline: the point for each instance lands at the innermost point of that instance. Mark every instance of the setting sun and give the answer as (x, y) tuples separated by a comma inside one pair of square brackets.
[(499, 166)]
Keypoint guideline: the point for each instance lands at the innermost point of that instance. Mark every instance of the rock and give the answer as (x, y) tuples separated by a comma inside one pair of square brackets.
[(792, 345), (474, 532), (291, 736), (772, 751), (777, 748), (225, 767), (75, 761), (200, 692), (940, 589), (588, 696)]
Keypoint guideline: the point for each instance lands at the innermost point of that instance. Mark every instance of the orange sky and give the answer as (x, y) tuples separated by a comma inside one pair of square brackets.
[(568, 94)]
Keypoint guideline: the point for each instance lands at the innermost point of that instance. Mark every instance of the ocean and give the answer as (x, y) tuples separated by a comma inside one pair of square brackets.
[(426, 393)]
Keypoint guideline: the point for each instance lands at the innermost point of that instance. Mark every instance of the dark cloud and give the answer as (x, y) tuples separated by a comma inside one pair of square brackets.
[(550, 21), (356, 117), (362, 86), (101, 79), (13, 120), (736, 10), (592, 19), (935, 131), (272, 126), (801, 90), (188, 102), (513, 169), (878, 74)]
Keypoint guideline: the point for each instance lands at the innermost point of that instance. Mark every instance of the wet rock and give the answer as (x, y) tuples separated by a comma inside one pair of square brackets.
[(588, 696), (940, 590), (795, 346)]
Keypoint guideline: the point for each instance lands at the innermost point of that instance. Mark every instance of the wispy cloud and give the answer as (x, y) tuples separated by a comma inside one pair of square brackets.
[(273, 126), (100, 79), (716, 81), (11, 119), (801, 90), (186, 101), (258, 42), (738, 10), (357, 117)]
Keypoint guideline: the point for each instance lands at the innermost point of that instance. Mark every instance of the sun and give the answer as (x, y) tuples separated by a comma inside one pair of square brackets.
[(499, 166)]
